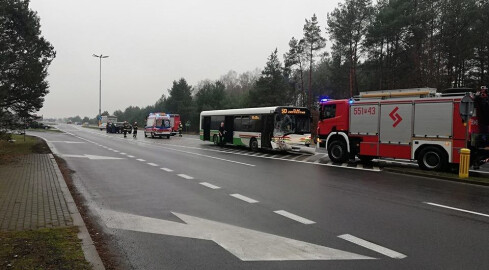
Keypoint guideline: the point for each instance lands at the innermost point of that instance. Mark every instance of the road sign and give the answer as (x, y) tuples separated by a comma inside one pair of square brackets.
[(466, 108)]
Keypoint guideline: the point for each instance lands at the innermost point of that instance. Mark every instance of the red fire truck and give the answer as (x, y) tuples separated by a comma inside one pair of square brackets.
[(415, 124), (175, 123)]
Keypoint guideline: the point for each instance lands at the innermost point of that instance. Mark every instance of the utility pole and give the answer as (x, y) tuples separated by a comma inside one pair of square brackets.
[(100, 87)]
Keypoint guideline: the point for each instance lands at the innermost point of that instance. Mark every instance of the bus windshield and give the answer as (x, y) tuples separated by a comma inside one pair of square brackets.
[(291, 124)]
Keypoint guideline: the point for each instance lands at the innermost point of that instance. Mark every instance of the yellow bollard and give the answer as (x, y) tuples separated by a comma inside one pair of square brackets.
[(464, 163)]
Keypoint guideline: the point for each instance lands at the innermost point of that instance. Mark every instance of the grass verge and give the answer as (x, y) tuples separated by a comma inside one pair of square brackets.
[(9, 151), (56, 248)]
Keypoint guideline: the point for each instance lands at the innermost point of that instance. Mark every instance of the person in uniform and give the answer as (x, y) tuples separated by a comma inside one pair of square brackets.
[(125, 128), (180, 128), (135, 130)]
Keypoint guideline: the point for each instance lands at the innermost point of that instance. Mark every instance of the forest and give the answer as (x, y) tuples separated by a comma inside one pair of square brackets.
[(389, 44)]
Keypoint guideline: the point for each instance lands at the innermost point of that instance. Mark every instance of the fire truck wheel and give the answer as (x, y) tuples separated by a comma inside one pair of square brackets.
[(215, 139), (432, 158), (254, 145), (152, 135), (145, 135), (338, 152)]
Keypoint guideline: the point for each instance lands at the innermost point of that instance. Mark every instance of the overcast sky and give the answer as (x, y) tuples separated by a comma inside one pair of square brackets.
[(150, 43)]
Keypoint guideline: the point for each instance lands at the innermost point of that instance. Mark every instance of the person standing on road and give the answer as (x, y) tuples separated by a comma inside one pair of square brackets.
[(135, 130), (222, 131), (125, 128), (180, 128)]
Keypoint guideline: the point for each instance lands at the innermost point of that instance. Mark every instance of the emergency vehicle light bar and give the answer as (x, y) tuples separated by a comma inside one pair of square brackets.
[(399, 93)]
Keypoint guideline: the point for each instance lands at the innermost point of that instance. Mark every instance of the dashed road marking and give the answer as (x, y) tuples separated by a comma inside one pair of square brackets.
[(123, 153), (366, 244), (243, 198), (140, 159), (152, 164), (167, 170), (457, 209), (294, 217), (130, 156), (209, 185), (185, 176)]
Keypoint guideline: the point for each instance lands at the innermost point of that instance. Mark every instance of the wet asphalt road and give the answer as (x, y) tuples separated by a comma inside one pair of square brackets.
[(192, 191)]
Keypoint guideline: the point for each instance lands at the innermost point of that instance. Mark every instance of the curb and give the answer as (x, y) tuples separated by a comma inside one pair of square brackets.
[(88, 247), (446, 178)]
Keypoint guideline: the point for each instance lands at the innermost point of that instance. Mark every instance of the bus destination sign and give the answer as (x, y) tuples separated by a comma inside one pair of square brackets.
[(293, 111)]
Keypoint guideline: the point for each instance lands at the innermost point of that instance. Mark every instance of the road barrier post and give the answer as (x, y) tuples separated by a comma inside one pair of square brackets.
[(464, 163)]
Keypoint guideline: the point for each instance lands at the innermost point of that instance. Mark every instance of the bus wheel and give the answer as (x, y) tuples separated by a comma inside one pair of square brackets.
[(254, 145), (215, 139), (338, 152), (432, 158)]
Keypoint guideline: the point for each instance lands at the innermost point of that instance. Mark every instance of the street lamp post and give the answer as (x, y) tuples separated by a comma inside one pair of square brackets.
[(100, 87)]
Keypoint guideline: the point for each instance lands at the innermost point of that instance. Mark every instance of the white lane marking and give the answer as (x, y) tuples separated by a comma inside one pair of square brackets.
[(294, 217), (457, 209), (140, 159), (152, 164), (366, 244), (243, 198), (185, 176), (93, 157), (360, 166), (209, 185), (123, 153), (130, 156), (115, 151), (167, 170), (245, 244)]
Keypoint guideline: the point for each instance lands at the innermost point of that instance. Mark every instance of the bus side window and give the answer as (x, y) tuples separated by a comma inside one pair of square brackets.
[(246, 123), (328, 111), (237, 123)]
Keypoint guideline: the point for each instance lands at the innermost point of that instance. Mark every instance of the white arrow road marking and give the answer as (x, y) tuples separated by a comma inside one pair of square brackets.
[(380, 249), (93, 157), (246, 244)]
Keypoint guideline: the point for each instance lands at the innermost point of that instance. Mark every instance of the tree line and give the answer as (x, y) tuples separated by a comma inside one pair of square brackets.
[(391, 44)]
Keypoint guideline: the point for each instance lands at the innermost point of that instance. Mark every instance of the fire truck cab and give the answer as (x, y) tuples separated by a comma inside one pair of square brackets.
[(414, 124)]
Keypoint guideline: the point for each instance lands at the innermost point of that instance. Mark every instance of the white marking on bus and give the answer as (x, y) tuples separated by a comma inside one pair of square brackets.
[(140, 159), (152, 164), (366, 244), (457, 209), (243, 198), (185, 176), (294, 217), (167, 170), (209, 185)]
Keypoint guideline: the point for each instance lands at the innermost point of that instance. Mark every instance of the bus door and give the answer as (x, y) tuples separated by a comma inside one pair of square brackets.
[(206, 125), (229, 127), (267, 132)]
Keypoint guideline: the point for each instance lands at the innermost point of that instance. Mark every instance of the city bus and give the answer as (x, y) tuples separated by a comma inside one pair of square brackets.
[(277, 128)]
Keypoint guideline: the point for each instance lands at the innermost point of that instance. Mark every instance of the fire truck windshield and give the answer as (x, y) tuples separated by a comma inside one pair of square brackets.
[(291, 124)]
